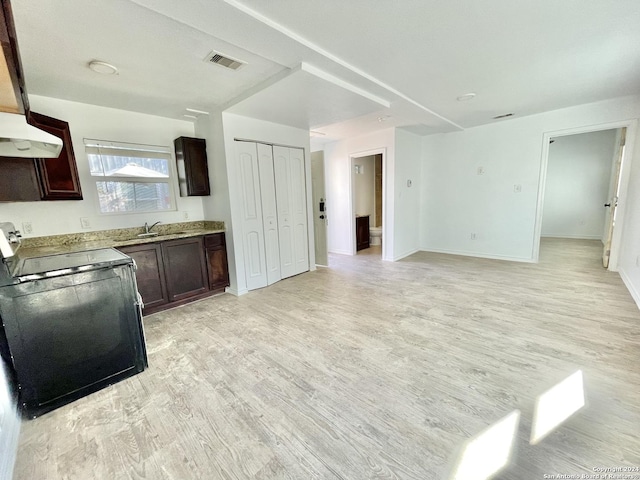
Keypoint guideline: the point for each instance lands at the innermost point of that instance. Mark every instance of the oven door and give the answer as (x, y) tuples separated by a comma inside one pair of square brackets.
[(72, 335)]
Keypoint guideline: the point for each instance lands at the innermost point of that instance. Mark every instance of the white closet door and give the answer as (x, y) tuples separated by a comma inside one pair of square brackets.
[(299, 208), (252, 227), (269, 212), (285, 217), (292, 210)]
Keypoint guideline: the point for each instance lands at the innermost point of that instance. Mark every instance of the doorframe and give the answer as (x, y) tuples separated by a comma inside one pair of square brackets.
[(352, 204), (313, 206), (625, 175)]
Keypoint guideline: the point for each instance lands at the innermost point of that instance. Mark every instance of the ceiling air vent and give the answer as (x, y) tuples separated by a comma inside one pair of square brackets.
[(503, 116), (224, 61)]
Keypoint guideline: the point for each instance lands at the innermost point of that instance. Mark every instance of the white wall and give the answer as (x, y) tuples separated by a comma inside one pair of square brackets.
[(407, 175), (89, 121), (363, 184), (577, 185), (629, 261), (457, 202), (340, 211), (236, 126)]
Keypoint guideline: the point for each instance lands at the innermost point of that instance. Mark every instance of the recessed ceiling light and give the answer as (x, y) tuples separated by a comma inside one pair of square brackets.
[(505, 115), (466, 97), (384, 118), (103, 68)]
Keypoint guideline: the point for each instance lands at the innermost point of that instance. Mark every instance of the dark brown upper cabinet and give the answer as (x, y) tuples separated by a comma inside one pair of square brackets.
[(58, 176), (193, 172), (13, 94)]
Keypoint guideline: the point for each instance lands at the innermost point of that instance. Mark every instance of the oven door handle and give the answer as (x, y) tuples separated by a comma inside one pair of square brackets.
[(139, 303)]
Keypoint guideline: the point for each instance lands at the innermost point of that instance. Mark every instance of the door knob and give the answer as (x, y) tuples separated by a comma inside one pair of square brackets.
[(322, 217)]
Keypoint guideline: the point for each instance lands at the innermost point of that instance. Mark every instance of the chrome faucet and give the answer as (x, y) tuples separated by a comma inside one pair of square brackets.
[(147, 228)]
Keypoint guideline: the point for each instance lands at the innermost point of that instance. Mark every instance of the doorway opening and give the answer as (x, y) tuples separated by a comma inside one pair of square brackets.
[(367, 201), (583, 186)]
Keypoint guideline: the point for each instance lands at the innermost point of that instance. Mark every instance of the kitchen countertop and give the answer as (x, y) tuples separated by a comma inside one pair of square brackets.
[(61, 244)]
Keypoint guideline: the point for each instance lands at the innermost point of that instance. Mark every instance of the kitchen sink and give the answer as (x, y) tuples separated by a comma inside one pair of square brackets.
[(148, 234)]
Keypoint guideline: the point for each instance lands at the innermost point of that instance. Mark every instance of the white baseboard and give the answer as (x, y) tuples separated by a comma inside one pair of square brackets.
[(341, 252), (236, 292), (575, 237), (630, 286), (479, 255), (403, 255)]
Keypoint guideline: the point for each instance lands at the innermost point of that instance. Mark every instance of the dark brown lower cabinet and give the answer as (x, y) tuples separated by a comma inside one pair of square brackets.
[(175, 272), (149, 274), (185, 268), (216, 251), (362, 232)]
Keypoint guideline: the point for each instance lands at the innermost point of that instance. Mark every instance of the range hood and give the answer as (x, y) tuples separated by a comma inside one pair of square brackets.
[(19, 139)]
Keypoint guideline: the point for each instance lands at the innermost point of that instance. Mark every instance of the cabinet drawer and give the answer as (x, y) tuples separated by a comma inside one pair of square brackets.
[(214, 240)]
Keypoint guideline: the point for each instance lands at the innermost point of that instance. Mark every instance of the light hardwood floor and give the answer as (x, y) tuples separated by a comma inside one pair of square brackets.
[(366, 369)]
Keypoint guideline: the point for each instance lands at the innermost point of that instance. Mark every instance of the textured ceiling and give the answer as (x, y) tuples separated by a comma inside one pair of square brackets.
[(415, 55)]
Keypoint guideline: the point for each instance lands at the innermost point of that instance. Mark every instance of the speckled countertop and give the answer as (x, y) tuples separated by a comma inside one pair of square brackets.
[(75, 242)]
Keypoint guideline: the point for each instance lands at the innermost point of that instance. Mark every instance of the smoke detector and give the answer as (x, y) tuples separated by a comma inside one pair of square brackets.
[(225, 61)]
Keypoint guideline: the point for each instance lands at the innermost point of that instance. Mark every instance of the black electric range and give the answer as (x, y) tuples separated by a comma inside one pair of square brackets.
[(71, 324)]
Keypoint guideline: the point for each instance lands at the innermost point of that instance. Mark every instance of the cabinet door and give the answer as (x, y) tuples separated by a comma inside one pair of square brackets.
[(217, 261), (12, 89), (18, 180), (58, 176), (193, 171), (185, 268), (362, 232), (149, 274)]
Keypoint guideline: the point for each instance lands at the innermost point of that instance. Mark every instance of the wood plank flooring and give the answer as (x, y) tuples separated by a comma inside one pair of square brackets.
[(366, 369)]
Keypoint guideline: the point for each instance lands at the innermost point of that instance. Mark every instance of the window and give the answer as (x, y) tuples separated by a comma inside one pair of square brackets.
[(130, 178)]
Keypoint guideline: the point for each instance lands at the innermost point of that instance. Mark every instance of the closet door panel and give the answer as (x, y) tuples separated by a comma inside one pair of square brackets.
[(299, 209), (282, 171), (269, 212), (252, 224)]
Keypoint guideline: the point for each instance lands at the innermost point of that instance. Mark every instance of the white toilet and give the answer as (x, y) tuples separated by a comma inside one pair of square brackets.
[(375, 234)]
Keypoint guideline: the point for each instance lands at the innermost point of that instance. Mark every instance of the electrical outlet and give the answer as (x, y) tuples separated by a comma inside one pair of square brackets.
[(185, 215), (517, 188), (473, 236), (85, 222), (480, 170), (27, 228)]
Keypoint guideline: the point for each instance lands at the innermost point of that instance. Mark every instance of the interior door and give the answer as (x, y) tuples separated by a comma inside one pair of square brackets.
[(319, 208), (251, 218), (612, 202), (269, 212), (299, 209), (291, 201), (282, 175)]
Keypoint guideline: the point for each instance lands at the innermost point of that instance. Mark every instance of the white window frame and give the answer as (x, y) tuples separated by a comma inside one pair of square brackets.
[(160, 151)]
